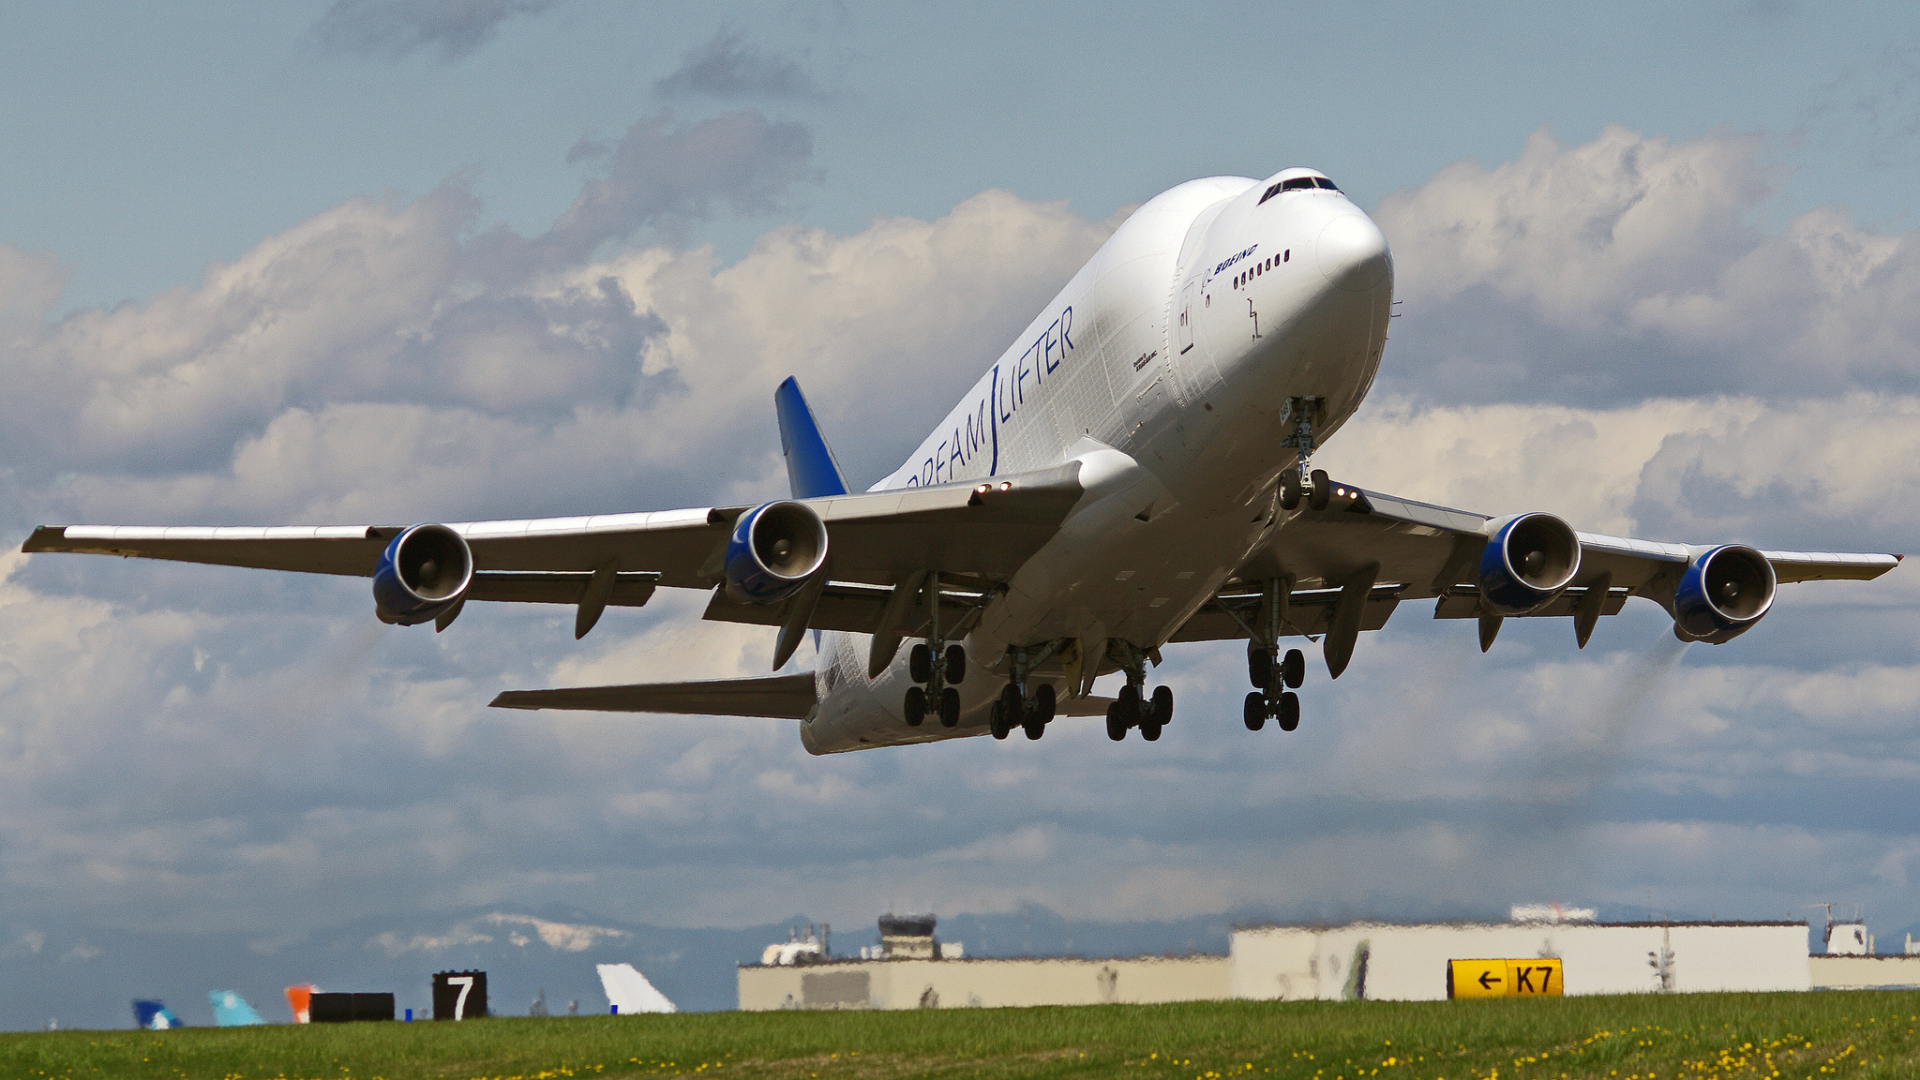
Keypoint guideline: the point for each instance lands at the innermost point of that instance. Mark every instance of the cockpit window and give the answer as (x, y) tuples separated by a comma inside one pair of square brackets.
[(1298, 183)]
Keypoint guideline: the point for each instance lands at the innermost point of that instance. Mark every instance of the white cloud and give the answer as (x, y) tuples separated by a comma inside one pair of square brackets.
[(1634, 265)]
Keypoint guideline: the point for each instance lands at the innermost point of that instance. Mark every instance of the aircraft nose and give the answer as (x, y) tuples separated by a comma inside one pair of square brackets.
[(1353, 253)]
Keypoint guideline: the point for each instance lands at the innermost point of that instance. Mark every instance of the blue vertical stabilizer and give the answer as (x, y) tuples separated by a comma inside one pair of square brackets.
[(811, 468), (232, 1010)]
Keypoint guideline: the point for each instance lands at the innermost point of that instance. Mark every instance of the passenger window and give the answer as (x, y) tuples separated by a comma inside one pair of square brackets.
[(1287, 255)]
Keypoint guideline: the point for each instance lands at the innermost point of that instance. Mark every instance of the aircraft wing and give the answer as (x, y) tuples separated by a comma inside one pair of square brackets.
[(788, 697), (879, 538), (1400, 549)]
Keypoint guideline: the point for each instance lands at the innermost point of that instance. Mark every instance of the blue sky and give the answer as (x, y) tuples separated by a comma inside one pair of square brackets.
[(390, 261)]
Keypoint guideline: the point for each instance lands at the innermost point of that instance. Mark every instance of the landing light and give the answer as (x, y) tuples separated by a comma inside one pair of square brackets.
[(1006, 485), (983, 489)]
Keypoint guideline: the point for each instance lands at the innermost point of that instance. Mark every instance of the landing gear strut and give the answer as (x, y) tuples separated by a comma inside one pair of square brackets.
[(1274, 678), (1132, 707), (945, 699), (1303, 479), (1016, 708)]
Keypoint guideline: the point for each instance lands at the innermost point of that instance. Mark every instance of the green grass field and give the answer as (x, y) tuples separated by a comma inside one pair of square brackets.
[(1692, 1037)]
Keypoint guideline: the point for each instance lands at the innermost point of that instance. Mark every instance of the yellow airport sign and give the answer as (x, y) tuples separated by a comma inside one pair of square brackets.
[(1540, 977)]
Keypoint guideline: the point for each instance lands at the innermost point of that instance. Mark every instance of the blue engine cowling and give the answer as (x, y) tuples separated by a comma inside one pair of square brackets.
[(1722, 594), (1528, 562), (774, 549), (424, 571)]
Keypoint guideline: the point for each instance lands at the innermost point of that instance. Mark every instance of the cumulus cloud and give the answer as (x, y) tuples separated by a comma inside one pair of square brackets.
[(1634, 266), (728, 67), (392, 29)]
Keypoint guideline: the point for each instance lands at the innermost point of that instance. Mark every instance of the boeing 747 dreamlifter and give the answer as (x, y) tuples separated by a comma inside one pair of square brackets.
[(1133, 472)]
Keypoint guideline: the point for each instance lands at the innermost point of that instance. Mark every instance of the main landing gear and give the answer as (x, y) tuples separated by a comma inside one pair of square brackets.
[(1132, 707), (934, 678), (1016, 707), (1274, 678), (1275, 698)]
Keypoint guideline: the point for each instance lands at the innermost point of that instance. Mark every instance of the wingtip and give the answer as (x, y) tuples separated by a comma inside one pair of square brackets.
[(505, 700), (43, 538)]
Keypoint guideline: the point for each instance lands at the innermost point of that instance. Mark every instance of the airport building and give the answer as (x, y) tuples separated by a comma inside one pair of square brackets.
[(911, 969)]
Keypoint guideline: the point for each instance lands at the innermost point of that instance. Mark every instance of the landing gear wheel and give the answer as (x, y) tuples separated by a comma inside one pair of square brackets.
[(1116, 727), (1128, 705), (1290, 489), (1322, 490), (1293, 670), (997, 721), (1259, 664), (1044, 703), (1289, 711), (1150, 730), (1256, 712), (1013, 705), (956, 664), (920, 663), (1034, 726), (915, 706), (950, 707), (1163, 705)]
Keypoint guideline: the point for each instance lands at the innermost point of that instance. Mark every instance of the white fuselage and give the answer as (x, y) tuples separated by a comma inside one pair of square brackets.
[(1165, 366)]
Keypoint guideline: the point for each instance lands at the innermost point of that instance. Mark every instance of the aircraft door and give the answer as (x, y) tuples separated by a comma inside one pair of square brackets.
[(1187, 295)]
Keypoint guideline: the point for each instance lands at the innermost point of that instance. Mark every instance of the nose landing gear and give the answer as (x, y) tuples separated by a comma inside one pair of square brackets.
[(1303, 479)]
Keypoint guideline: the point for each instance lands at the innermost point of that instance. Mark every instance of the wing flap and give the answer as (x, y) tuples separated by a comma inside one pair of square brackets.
[(1309, 613), (786, 697)]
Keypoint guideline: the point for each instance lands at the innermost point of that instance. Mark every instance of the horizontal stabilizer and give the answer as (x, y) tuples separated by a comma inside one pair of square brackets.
[(788, 697)]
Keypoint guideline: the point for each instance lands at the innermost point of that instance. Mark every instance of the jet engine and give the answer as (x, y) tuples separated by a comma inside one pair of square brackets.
[(424, 571), (1722, 594), (1528, 562), (774, 549)]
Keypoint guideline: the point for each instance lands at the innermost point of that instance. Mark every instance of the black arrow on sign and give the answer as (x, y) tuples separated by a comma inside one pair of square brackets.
[(1484, 984)]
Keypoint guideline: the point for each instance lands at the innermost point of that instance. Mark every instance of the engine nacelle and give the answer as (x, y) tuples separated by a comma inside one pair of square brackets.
[(424, 571), (1528, 562), (774, 549), (1722, 594)]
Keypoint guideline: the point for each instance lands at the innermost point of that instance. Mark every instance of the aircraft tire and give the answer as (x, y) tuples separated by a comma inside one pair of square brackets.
[(1162, 706), (1289, 711), (915, 706), (1289, 489), (1293, 670), (1259, 664), (950, 707), (1150, 730), (1127, 703), (1322, 490), (1256, 711), (997, 721), (956, 664), (1045, 703), (1034, 726), (1116, 729), (920, 663)]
